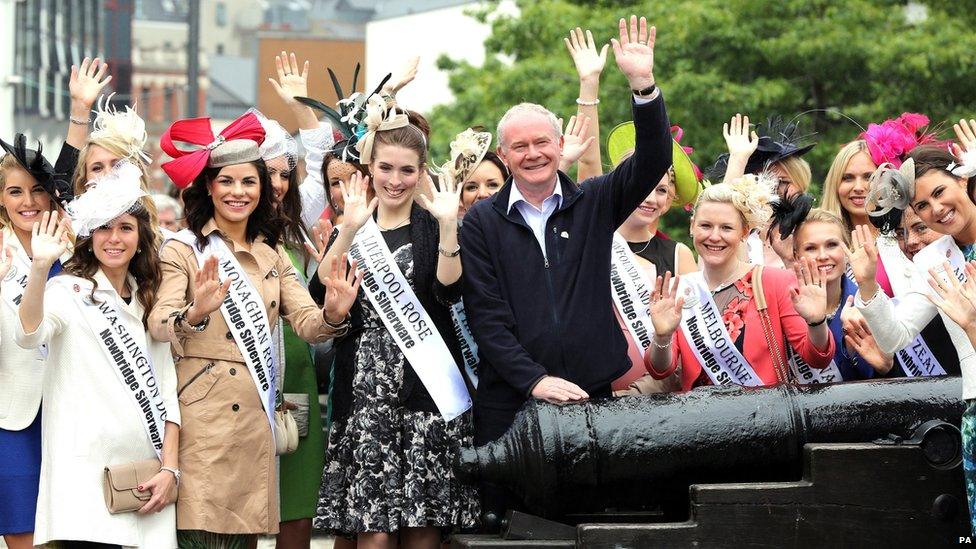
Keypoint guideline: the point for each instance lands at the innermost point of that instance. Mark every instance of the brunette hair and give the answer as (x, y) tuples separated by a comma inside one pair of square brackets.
[(490, 156), (290, 210), (145, 266), (408, 137), (265, 220), (417, 120), (830, 201), (934, 158)]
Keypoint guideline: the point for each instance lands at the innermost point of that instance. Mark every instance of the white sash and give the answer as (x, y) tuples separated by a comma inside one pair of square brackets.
[(937, 253), (14, 283), (631, 291), (808, 375), (132, 363), (408, 323), (917, 359), (469, 347), (702, 325), (245, 315)]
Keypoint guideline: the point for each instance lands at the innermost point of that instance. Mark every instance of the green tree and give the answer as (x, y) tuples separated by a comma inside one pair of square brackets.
[(867, 59)]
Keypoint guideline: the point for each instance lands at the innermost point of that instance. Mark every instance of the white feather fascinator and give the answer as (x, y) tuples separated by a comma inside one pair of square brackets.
[(123, 127), (107, 198), (277, 141), (966, 164)]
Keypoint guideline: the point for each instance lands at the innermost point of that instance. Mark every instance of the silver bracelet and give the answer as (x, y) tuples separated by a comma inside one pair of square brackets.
[(176, 473), (659, 346), (446, 253), (79, 121), (584, 103)]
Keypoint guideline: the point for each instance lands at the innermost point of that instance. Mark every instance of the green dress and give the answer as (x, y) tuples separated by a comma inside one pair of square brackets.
[(300, 472)]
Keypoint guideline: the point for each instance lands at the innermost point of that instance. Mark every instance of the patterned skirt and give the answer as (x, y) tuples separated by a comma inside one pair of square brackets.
[(386, 467)]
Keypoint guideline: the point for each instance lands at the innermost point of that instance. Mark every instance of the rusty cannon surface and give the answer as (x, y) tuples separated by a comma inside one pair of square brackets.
[(712, 460)]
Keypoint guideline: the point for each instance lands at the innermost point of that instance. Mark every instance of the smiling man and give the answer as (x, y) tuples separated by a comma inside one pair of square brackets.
[(536, 256)]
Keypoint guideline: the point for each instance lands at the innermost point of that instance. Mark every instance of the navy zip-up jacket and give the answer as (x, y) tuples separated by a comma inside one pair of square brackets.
[(534, 316)]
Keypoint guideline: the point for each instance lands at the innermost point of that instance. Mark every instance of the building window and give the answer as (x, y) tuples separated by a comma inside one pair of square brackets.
[(220, 14), (220, 49)]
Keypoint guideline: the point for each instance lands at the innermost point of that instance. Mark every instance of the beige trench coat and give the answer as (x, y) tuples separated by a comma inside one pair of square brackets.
[(227, 452)]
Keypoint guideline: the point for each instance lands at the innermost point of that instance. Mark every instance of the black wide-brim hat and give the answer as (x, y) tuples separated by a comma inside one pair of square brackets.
[(56, 184)]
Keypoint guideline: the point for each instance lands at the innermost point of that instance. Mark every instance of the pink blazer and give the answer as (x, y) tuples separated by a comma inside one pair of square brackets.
[(786, 323)]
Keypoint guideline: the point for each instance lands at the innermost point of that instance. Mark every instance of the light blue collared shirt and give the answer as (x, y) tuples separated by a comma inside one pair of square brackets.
[(534, 217)]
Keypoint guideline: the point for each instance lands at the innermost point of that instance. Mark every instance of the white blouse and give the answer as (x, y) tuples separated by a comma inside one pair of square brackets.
[(90, 421)]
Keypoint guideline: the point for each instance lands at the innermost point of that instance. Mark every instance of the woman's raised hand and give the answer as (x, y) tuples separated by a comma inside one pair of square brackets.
[(406, 75), (956, 299), (589, 62), (291, 82), (208, 292), (341, 289), (863, 256), (321, 231), (575, 142), (666, 305), (49, 239), (87, 81), (357, 208), (810, 298), (740, 140), (966, 134), (443, 203)]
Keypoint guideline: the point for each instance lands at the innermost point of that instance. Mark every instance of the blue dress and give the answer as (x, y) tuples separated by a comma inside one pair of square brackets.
[(850, 364), (20, 470)]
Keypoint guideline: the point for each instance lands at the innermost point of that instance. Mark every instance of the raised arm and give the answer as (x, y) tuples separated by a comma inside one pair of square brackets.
[(630, 182), (589, 65), (84, 86), (356, 212), (49, 240), (741, 142), (443, 205)]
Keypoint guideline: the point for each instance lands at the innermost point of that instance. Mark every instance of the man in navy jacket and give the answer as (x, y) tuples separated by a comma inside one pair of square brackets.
[(536, 256)]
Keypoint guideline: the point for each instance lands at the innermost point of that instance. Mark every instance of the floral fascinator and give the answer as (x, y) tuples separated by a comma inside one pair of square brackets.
[(467, 151), (348, 118), (891, 192)]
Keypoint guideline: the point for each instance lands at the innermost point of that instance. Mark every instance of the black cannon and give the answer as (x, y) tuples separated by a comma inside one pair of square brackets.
[(640, 453)]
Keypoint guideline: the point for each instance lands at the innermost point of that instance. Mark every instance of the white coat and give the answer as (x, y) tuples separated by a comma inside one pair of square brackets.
[(21, 370), (89, 422)]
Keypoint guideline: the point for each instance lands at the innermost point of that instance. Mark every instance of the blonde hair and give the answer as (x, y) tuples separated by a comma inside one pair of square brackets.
[(798, 171), (116, 146), (752, 196), (820, 215), (830, 201), (7, 163)]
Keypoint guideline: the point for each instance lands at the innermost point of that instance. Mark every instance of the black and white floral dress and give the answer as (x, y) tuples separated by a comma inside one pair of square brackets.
[(387, 467)]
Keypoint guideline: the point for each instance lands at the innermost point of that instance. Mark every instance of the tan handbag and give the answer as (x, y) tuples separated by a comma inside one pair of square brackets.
[(120, 485), (286, 432)]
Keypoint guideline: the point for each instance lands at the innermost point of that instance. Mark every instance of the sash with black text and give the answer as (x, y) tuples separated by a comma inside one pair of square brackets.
[(243, 311), (704, 329), (130, 360), (408, 323), (631, 291)]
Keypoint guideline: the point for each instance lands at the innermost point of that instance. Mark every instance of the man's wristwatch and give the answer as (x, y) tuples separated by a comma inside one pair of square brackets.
[(646, 92)]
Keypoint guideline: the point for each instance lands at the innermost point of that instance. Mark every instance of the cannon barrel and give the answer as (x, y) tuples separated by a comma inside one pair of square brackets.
[(637, 451)]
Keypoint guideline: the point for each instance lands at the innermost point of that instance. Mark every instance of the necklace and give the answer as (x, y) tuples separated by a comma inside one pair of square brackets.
[(397, 226), (646, 244), (725, 283)]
